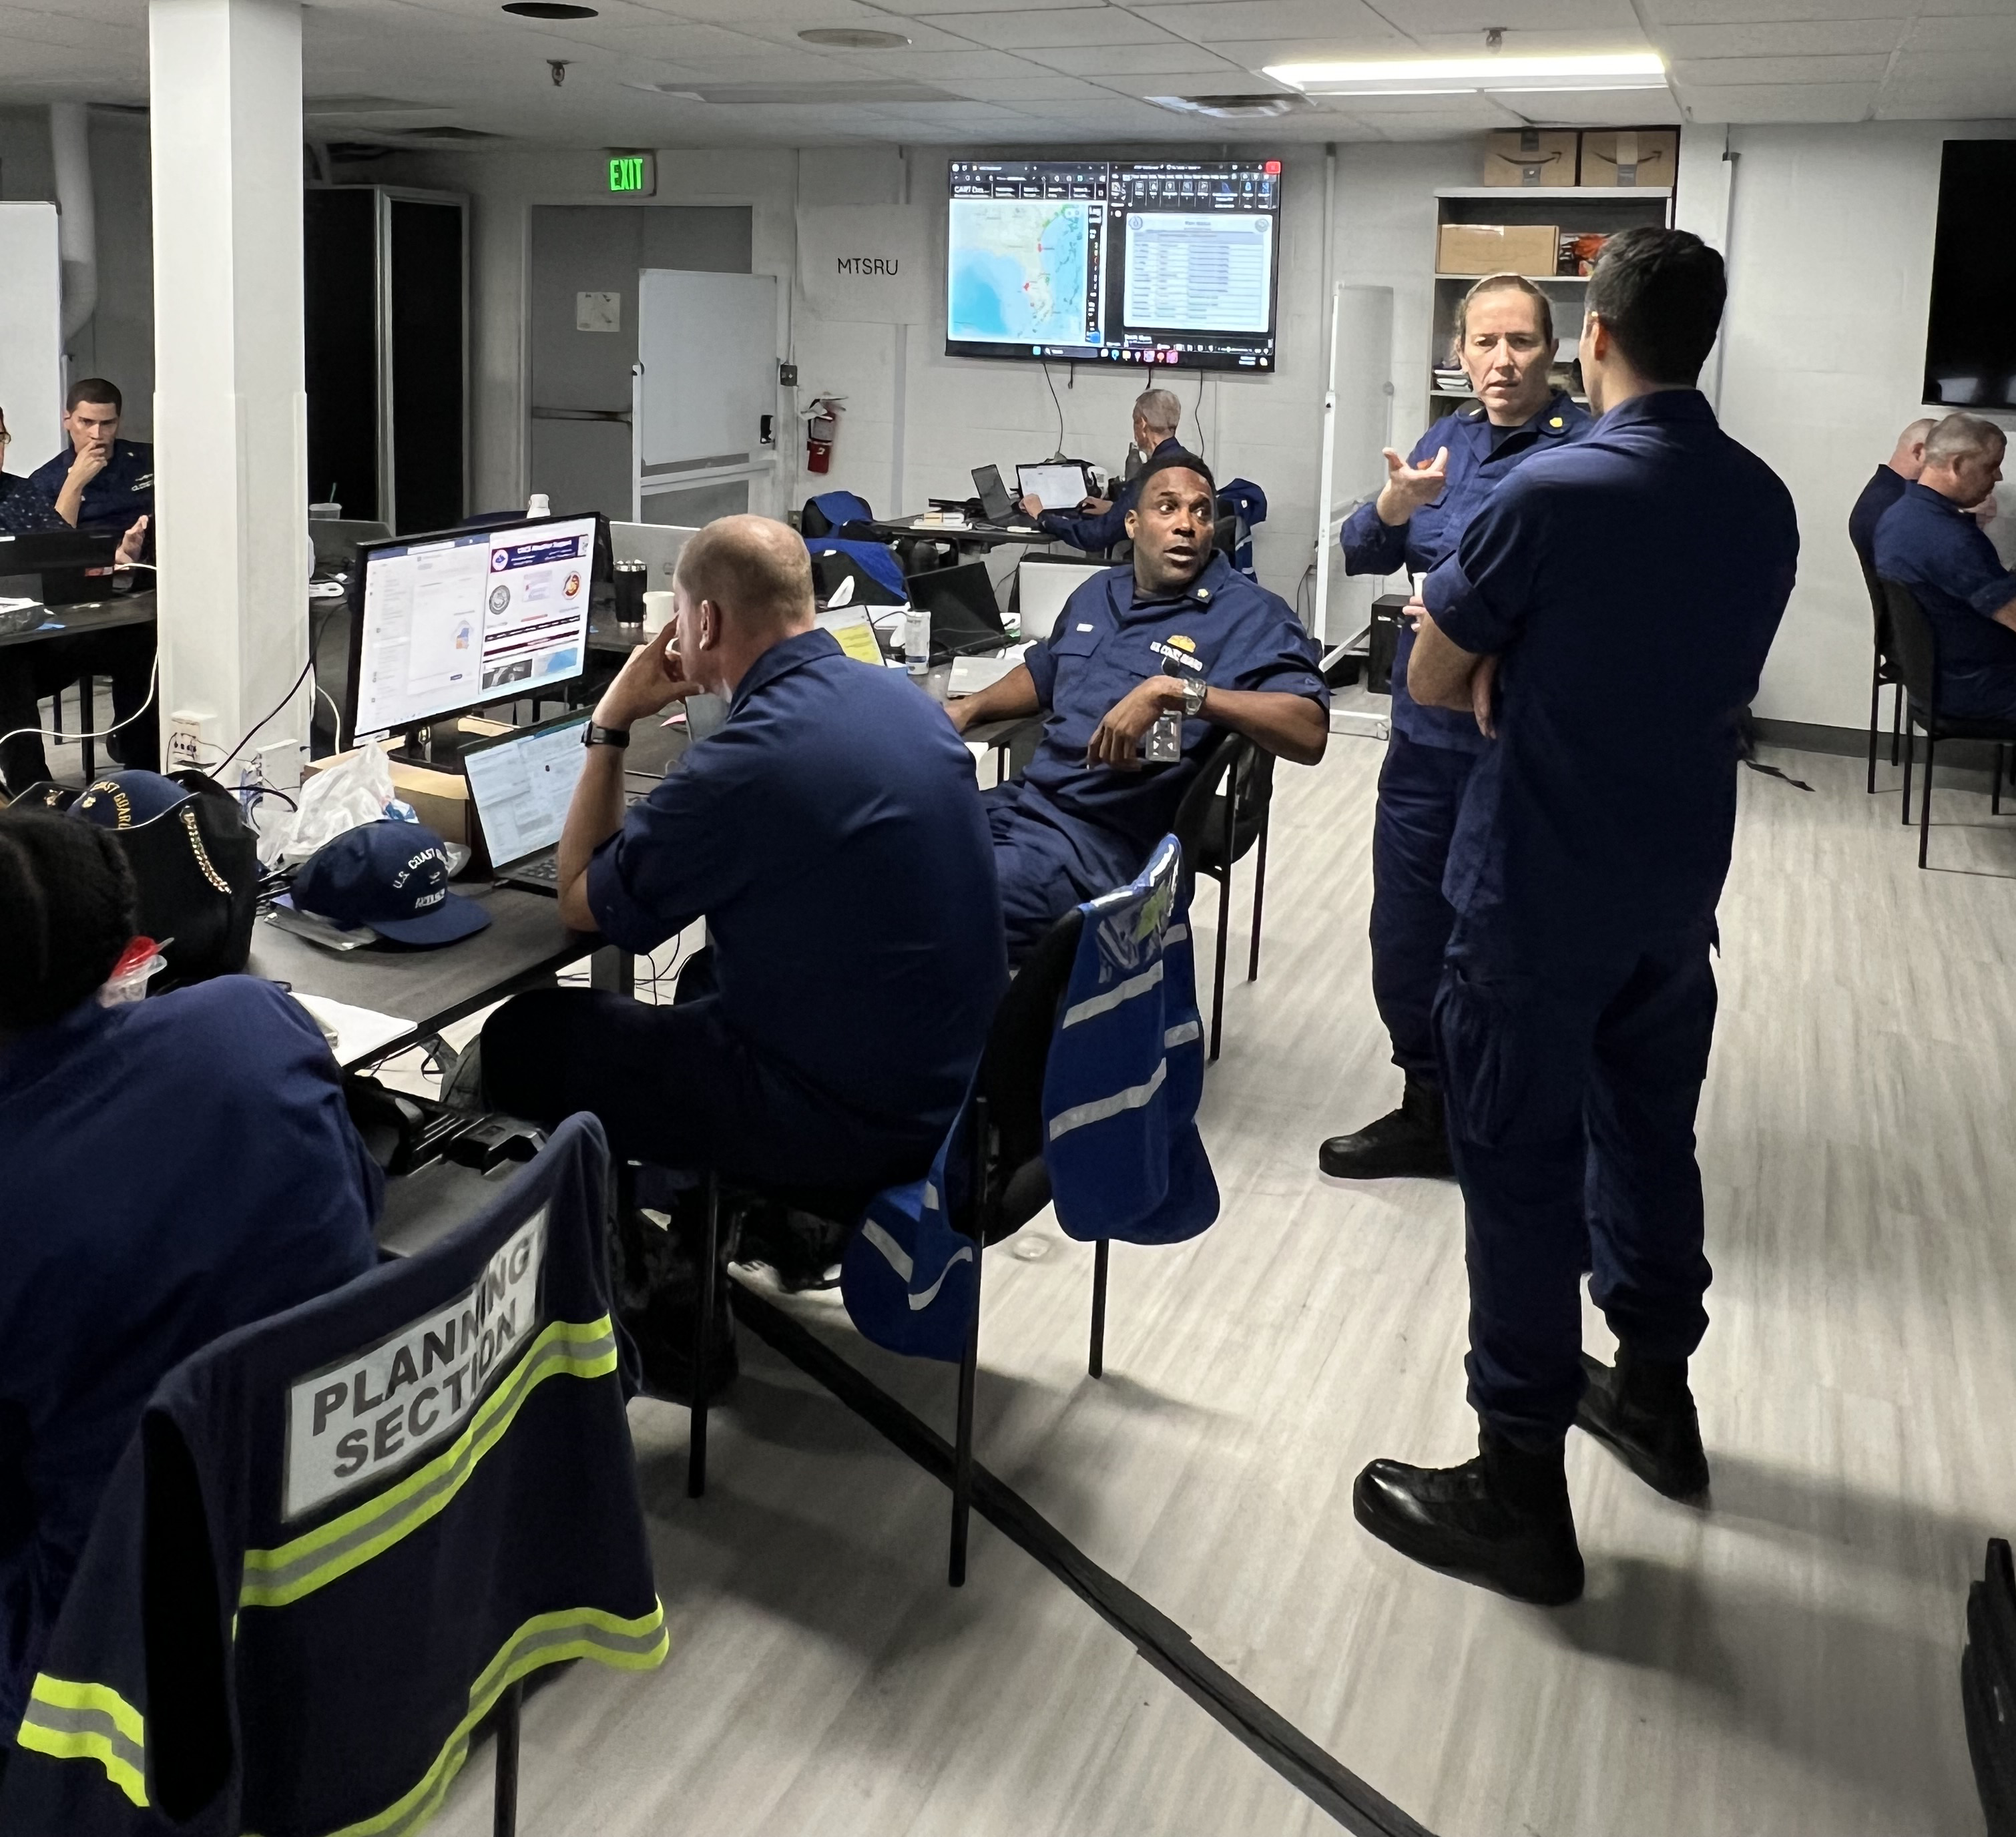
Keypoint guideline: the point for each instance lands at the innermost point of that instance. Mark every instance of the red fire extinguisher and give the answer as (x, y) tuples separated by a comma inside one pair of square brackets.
[(821, 429)]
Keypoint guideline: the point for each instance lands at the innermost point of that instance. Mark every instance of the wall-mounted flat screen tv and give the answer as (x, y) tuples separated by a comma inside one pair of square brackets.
[(1970, 331), (1154, 261)]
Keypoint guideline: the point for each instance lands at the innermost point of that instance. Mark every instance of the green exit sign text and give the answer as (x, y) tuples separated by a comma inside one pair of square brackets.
[(636, 174)]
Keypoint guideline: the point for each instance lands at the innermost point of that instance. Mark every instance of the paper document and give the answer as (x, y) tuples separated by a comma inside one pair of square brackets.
[(359, 1031)]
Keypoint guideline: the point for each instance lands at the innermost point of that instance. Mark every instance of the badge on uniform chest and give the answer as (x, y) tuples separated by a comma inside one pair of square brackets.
[(1180, 650)]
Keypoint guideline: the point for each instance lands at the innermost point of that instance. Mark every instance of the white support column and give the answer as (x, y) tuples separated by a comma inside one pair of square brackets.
[(230, 403)]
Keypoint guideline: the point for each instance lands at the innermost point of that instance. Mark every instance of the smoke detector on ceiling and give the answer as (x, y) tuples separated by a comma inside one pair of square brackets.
[(1232, 108)]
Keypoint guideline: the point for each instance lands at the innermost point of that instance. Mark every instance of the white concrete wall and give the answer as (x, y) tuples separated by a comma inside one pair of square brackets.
[(119, 340), (1831, 255)]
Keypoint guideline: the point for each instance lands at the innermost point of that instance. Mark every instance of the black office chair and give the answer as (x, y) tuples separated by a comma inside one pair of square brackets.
[(1883, 671), (1916, 655), (1216, 830)]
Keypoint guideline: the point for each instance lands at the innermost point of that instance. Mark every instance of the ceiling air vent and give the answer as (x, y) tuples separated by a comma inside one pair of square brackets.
[(1232, 108)]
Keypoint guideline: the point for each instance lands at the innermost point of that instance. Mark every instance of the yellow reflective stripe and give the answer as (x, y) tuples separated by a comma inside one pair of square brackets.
[(68, 1720), (274, 1578), (547, 1639)]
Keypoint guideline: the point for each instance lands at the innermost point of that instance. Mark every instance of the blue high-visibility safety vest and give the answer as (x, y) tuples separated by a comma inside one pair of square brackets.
[(341, 1534), (1119, 1110)]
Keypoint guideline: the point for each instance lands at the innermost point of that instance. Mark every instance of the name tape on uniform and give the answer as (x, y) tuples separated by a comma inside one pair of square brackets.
[(352, 1422)]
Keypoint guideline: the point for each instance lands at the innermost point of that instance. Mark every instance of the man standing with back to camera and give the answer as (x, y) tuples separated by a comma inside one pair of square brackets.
[(1606, 616)]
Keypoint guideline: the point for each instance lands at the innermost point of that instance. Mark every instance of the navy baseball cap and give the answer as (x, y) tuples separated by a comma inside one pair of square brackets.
[(391, 878), (126, 800)]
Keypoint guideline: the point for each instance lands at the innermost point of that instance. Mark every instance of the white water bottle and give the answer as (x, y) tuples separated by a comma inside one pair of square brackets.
[(538, 505)]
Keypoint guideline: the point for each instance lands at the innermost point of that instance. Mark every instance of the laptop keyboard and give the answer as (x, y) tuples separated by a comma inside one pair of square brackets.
[(546, 870)]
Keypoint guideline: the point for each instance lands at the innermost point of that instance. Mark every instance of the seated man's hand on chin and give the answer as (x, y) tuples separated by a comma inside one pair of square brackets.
[(652, 678), (1116, 742)]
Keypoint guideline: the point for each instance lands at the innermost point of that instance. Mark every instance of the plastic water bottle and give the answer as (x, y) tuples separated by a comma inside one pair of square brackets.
[(538, 505), (917, 640)]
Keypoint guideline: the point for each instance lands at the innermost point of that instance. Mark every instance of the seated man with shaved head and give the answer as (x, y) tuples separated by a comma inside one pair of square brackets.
[(831, 835)]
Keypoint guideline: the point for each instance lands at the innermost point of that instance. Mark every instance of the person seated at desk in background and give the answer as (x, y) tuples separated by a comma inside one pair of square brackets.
[(1932, 540), (99, 481), (174, 1168), (1098, 522), (830, 834), (29, 672), (1885, 487), (1181, 629)]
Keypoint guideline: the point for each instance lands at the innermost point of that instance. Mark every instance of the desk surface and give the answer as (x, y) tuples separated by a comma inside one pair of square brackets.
[(524, 944), (87, 615), (981, 536)]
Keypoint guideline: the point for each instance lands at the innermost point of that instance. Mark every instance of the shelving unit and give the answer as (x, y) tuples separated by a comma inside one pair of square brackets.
[(1587, 209)]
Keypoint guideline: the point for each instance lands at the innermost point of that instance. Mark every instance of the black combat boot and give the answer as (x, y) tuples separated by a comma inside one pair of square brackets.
[(1502, 1521), (1412, 1139), (1642, 1410), (659, 1305)]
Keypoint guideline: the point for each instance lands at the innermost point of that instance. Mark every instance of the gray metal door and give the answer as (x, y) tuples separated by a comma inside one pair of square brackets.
[(579, 436)]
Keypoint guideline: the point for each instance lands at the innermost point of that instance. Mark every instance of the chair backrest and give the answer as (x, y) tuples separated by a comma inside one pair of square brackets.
[(1200, 820), (823, 515), (1914, 646), (1878, 607), (1017, 1053)]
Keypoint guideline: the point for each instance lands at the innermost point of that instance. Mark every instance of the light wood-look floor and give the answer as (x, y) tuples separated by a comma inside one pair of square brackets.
[(1786, 1662)]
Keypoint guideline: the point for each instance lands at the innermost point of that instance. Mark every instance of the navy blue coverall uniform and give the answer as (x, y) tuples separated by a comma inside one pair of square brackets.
[(1432, 750), (1630, 587), (1938, 550), (118, 498), (830, 834), (174, 1168), (1065, 831), (1096, 531)]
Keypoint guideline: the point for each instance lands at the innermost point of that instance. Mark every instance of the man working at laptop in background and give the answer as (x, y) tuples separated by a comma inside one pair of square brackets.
[(1099, 523), (831, 835), (1181, 630)]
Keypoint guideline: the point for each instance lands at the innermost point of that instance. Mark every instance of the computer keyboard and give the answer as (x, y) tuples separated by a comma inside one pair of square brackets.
[(546, 871)]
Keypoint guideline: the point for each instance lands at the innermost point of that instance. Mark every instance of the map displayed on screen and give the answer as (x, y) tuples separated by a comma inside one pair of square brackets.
[(1131, 262), (1020, 271)]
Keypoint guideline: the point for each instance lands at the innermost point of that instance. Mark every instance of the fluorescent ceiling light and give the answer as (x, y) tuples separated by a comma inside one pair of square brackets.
[(1445, 76)]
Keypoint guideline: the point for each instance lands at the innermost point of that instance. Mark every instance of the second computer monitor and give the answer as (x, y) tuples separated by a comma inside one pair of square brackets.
[(444, 623)]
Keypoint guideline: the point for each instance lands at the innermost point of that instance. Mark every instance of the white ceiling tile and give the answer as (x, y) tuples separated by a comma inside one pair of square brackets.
[(1709, 72), (1778, 102), (974, 62), (915, 7), (1094, 63), (1350, 26), (1747, 13), (1781, 38), (1038, 85), (1474, 16), (1554, 41), (1995, 32), (1965, 6), (1594, 108), (1052, 30)]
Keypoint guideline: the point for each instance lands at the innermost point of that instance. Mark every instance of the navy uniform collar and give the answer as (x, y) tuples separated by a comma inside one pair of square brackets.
[(1555, 417), (1662, 405), (1207, 589), (786, 655), (1925, 494)]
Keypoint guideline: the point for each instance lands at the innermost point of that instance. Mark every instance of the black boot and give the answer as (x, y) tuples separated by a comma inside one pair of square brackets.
[(1412, 1139), (1643, 1409), (1502, 1521)]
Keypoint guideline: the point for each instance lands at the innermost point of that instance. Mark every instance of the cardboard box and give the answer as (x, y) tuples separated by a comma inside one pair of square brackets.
[(1630, 156), (1498, 248), (439, 799), (1529, 156)]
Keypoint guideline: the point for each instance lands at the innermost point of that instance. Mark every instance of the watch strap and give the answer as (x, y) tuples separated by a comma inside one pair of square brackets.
[(595, 734)]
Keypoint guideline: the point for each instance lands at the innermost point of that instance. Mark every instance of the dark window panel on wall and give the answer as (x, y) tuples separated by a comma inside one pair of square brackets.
[(341, 241)]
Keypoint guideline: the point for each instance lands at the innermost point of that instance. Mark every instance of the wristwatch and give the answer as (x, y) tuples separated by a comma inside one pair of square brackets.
[(1195, 690), (592, 735)]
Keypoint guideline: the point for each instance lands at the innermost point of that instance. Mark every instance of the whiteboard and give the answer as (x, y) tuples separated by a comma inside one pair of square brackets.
[(706, 352), (31, 370)]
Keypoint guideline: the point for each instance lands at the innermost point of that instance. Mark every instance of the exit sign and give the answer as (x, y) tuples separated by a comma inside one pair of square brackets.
[(636, 174)]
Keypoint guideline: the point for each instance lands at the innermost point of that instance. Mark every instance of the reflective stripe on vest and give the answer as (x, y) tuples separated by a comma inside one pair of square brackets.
[(274, 1578), (88, 1722)]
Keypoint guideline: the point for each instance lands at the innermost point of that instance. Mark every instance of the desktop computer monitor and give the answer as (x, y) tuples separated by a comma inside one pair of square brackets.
[(444, 623)]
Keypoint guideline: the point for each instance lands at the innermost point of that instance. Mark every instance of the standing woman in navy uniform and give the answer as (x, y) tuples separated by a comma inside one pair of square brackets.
[(1505, 336), (100, 481)]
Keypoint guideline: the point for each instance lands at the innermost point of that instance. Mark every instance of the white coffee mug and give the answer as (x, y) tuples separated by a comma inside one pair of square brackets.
[(658, 612)]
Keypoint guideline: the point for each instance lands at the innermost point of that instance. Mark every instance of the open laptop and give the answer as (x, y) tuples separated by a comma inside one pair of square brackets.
[(656, 545), (965, 615), (1057, 485), (521, 783), (995, 505)]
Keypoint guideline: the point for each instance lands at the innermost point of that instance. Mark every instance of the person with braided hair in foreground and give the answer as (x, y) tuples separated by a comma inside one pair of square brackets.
[(174, 1168)]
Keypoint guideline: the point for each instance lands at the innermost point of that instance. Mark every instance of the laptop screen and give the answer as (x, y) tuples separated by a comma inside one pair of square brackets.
[(1057, 487), (994, 499), (522, 783)]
